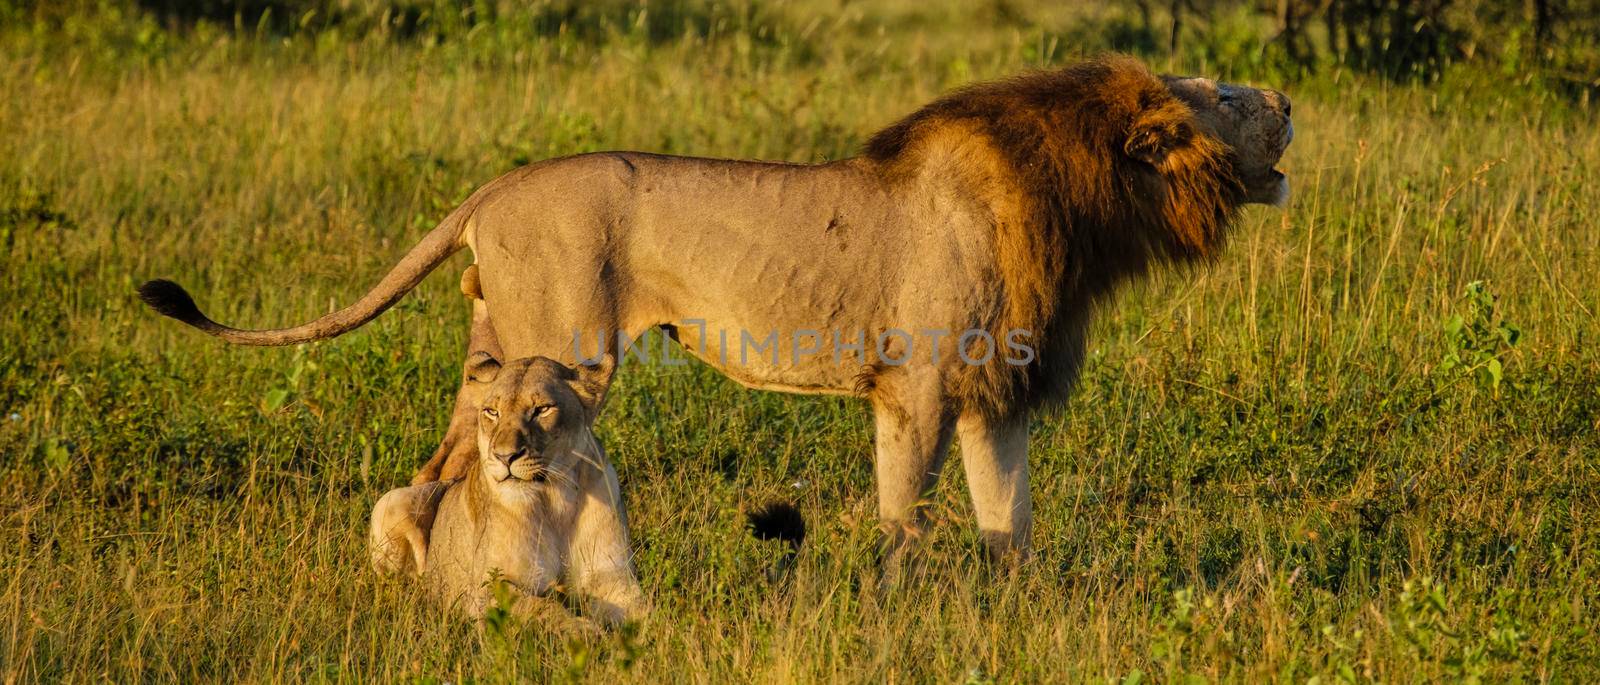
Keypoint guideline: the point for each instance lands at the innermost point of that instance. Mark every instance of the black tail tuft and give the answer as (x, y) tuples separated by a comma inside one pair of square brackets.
[(778, 521), (170, 299)]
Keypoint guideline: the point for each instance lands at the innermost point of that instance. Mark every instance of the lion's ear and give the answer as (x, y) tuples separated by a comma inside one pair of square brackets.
[(1156, 133), (482, 367), (593, 379)]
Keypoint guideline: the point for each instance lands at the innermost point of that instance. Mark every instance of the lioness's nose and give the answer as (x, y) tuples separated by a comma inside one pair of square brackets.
[(508, 457)]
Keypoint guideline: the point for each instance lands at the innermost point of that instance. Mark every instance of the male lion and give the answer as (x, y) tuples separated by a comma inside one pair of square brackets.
[(1005, 211), (539, 506)]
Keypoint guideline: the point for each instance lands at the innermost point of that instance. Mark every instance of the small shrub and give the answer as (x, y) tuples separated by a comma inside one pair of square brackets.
[(1479, 340)]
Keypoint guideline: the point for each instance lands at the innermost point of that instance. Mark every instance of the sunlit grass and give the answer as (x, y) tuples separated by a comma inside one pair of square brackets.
[(1269, 469)]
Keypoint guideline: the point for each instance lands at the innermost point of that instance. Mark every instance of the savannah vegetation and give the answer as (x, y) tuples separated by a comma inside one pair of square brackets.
[(1362, 445)]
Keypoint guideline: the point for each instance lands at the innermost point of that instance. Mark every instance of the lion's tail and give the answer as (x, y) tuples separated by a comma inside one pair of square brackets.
[(170, 299)]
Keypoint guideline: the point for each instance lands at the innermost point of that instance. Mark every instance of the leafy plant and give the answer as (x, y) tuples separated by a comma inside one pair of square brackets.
[(1423, 620), (1480, 339), (497, 617), (1187, 629)]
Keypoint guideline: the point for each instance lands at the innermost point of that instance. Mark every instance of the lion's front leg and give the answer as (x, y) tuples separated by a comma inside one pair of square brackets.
[(994, 453), (913, 429)]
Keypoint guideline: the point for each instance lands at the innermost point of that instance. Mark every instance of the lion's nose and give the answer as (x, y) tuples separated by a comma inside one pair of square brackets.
[(508, 457), (1282, 100)]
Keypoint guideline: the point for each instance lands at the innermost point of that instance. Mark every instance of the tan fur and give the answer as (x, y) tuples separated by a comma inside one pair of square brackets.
[(1073, 212), (1015, 205), (540, 508), (459, 448), (470, 285), (402, 522)]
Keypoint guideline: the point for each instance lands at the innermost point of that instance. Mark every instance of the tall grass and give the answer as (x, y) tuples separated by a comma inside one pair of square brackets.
[(1291, 463)]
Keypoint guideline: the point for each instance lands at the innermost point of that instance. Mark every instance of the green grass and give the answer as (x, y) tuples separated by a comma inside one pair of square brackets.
[(1291, 463)]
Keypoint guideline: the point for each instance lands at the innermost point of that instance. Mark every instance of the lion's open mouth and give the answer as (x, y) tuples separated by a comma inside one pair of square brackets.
[(1279, 195), (1269, 186), (1274, 186), (1288, 137)]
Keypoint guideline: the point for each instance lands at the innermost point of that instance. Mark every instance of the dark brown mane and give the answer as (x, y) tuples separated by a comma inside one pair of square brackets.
[(1092, 172)]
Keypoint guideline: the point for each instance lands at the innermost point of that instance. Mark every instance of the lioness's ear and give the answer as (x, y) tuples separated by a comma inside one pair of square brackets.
[(1156, 132), (482, 368), (594, 378)]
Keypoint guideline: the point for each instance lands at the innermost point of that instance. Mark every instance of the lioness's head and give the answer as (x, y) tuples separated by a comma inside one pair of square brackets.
[(535, 417), (1252, 121)]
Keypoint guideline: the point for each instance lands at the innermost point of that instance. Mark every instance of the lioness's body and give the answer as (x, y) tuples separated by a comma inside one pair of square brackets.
[(575, 537), (1014, 206), (550, 515)]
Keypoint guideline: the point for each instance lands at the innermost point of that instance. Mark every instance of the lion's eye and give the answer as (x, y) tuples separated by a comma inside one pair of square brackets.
[(491, 413), (546, 410)]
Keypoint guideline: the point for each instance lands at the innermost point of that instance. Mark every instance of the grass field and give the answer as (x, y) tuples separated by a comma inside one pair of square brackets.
[(1361, 446)]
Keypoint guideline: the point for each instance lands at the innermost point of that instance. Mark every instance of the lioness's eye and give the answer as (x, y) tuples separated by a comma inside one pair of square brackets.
[(491, 413)]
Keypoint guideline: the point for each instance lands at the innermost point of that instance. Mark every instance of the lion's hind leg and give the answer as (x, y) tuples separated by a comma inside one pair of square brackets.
[(459, 448), (913, 430)]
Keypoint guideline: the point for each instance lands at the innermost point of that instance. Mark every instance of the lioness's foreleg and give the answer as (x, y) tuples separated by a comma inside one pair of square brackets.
[(541, 612), (913, 430), (601, 560), (994, 453), (551, 615)]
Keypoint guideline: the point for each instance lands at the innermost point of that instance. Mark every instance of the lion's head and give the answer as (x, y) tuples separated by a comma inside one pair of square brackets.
[(535, 418), (1253, 122)]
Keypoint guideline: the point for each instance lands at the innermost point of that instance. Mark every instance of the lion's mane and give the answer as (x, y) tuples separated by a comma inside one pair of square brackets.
[(1092, 173)]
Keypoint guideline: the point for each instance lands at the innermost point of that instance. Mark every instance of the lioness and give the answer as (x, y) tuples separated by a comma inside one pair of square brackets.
[(539, 506), (1001, 214)]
